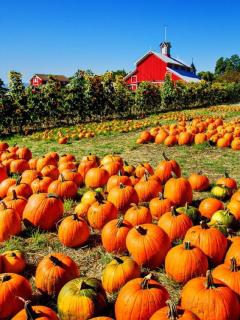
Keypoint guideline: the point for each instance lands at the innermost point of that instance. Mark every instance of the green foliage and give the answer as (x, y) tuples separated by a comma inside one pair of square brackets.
[(206, 75), (227, 65), (147, 98)]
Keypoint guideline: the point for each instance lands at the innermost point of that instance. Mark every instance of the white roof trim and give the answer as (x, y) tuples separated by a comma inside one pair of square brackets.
[(185, 78)]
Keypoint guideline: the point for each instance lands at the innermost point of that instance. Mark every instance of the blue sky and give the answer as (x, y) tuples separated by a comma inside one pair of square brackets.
[(61, 36)]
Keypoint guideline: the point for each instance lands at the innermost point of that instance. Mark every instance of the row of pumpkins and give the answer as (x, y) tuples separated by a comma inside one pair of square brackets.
[(215, 130), (140, 211)]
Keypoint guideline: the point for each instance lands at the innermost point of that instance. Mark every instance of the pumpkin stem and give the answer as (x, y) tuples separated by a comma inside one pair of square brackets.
[(4, 205), (186, 206), (75, 217), (141, 230), (200, 172), (31, 314), (6, 277), (62, 177), (119, 173), (187, 245), (165, 157), (13, 254), (144, 283), (99, 197), (53, 195), (14, 195), (56, 261), (233, 266), (172, 312), (173, 174), (209, 280), (160, 196), (121, 185), (226, 174), (18, 180), (84, 285), (120, 222), (203, 224), (119, 260), (174, 211)]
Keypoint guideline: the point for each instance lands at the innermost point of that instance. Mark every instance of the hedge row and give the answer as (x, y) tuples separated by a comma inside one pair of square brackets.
[(87, 98)]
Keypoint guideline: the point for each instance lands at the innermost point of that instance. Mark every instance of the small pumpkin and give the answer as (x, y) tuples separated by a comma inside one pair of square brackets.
[(35, 312), (10, 223), (166, 167), (209, 206), (122, 197), (96, 177), (138, 214), (13, 261), (63, 188), (198, 181), (158, 206), (118, 272), (178, 190)]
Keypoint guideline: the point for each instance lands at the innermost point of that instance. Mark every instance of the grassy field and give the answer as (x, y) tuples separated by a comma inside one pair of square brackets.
[(92, 257)]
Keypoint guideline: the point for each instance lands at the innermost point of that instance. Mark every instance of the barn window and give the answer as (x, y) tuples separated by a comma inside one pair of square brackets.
[(134, 79), (134, 87)]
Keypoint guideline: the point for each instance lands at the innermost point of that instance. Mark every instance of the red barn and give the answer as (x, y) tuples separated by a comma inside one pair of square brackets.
[(153, 67), (39, 79)]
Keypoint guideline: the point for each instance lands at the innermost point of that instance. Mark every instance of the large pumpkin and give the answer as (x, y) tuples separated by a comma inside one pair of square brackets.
[(199, 182), (158, 206), (175, 224), (41, 184), (118, 272), (166, 167), (233, 251), (96, 177), (10, 224), (178, 190), (139, 299), (12, 286), (81, 299), (65, 189), (115, 181), (210, 299), (53, 271), (184, 262), (5, 185), (17, 203), (73, 231), (147, 189), (138, 214), (210, 240), (148, 244), (35, 312), (43, 210), (122, 196)]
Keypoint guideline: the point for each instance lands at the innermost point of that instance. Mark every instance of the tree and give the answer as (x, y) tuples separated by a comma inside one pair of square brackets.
[(206, 75), (227, 65), (167, 93), (3, 90), (121, 73), (220, 67)]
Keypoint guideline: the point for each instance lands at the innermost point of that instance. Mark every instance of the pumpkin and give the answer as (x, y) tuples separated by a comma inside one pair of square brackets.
[(122, 197), (21, 189), (184, 262), (172, 312), (89, 197), (148, 244), (12, 286), (82, 209), (54, 155), (3, 173), (96, 177), (210, 240), (13, 261), (72, 175), (137, 214), (209, 206), (190, 211), (200, 138), (81, 299), (118, 272), (111, 158), (147, 189), (67, 158), (234, 207), (50, 171), (73, 231), (185, 138), (3, 146), (86, 165), (44, 161), (165, 168), (5, 185), (198, 182), (32, 164), (139, 299), (158, 206), (223, 217), (114, 235), (66, 166), (142, 168), (178, 190), (41, 184), (221, 192), (113, 167), (18, 166), (29, 175), (17, 203), (100, 212), (63, 188), (175, 224), (209, 298), (24, 153), (229, 275), (63, 140), (233, 251), (115, 181), (235, 196), (10, 223), (161, 136), (227, 182), (43, 211), (35, 312), (53, 271)]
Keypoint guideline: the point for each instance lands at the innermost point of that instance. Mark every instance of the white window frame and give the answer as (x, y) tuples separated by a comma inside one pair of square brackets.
[(133, 78)]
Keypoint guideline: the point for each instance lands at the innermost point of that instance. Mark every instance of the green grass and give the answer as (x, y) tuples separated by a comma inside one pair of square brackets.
[(91, 258)]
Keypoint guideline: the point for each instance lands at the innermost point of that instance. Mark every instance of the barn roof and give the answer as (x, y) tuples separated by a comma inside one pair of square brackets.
[(187, 76), (45, 77)]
